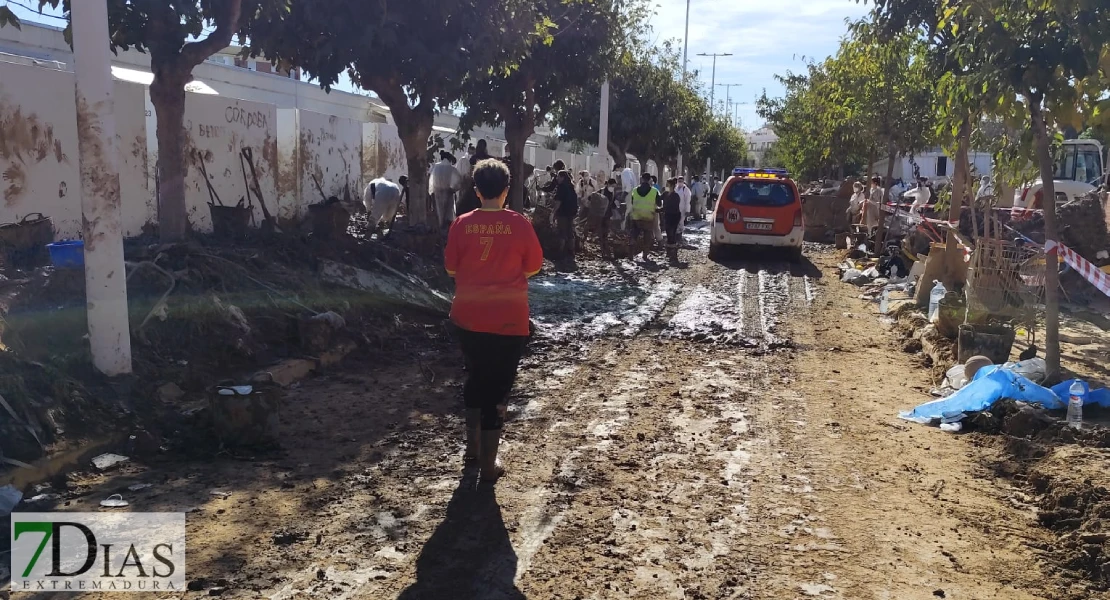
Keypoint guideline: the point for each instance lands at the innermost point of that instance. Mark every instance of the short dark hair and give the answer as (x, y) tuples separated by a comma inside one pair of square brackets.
[(645, 175), (491, 178), (673, 181), (559, 165), (877, 180), (404, 180)]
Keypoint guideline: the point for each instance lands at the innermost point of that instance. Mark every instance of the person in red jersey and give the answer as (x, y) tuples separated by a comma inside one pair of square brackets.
[(491, 253)]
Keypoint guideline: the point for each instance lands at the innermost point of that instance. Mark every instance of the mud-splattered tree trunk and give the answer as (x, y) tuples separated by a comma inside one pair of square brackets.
[(519, 126), (172, 64), (414, 127), (167, 94), (619, 154), (1043, 151), (880, 235)]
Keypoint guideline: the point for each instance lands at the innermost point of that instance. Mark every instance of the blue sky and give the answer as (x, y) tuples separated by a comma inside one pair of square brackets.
[(764, 39)]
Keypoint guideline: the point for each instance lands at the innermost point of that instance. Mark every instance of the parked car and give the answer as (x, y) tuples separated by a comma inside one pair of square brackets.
[(758, 207)]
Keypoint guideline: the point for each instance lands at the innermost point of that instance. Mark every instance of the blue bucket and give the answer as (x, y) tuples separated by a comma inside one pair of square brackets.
[(68, 254)]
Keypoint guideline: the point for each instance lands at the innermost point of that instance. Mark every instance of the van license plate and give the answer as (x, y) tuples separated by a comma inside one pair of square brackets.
[(759, 226)]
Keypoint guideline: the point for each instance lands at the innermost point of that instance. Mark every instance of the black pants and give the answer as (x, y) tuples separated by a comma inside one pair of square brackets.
[(671, 223), (491, 362)]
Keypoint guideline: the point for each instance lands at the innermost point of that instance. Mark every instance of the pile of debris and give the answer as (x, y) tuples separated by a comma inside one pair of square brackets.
[(200, 313)]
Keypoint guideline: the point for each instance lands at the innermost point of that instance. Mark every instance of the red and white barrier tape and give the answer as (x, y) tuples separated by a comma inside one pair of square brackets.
[(1084, 267)]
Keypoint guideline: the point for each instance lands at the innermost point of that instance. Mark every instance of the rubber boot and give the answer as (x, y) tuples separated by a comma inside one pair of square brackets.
[(473, 434), (490, 466)]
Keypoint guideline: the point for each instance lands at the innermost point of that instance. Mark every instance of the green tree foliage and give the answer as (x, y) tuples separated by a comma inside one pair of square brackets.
[(1039, 65), (873, 97), (722, 145), (173, 34), (416, 56), (653, 112), (579, 42)]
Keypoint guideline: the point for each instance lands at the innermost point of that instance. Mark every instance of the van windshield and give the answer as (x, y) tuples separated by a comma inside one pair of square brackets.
[(758, 193)]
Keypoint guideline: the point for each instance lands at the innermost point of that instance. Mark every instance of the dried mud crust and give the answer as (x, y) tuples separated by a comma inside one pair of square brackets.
[(641, 465)]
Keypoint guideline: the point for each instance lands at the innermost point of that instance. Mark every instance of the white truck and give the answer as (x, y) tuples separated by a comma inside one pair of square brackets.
[(1080, 168)]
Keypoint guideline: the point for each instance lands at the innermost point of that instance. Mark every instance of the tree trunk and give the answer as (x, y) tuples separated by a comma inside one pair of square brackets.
[(880, 235), (414, 127), (167, 94), (870, 165), (620, 156), (960, 178), (1052, 267), (518, 128)]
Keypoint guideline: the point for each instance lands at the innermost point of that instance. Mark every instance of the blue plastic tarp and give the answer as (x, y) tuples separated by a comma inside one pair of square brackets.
[(1099, 397), (989, 386)]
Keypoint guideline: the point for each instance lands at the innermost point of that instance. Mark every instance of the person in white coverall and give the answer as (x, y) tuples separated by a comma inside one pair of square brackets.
[(444, 181), (381, 198), (685, 197)]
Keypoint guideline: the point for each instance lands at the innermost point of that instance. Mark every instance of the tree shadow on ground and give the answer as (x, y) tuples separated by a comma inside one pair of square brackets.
[(469, 555)]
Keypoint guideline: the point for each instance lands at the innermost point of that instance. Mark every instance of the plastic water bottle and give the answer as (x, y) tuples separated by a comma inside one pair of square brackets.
[(884, 302), (935, 297), (1075, 405)]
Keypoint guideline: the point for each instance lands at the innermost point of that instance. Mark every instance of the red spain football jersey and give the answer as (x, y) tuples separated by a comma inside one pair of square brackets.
[(491, 254)]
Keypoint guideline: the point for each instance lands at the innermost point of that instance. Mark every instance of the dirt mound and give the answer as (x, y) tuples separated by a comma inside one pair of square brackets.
[(200, 313), (1072, 482), (1068, 472)]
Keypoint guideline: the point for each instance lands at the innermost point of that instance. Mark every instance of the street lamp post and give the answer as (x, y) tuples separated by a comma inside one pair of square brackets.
[(713, 80), (728, 97), (685, 47)]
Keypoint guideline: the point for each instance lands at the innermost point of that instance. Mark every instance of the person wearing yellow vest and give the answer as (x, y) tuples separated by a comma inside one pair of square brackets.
[(641, 211)]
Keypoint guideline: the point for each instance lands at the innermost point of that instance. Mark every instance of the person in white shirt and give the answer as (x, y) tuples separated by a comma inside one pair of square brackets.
[(381, 198), (585, 185), (628, 183), (698, 189), (685, 196), (860, 210), (921, 195), (443, 182), (715, 191)]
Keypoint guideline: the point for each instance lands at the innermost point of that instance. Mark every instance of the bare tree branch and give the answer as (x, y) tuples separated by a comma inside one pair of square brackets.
[(227, 23)]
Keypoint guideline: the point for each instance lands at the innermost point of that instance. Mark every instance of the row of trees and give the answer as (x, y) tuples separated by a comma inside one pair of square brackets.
[(656, 112), (917, 73), (516, 63)]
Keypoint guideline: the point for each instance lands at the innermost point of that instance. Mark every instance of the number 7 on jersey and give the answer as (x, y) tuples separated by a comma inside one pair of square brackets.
[(487, 245)]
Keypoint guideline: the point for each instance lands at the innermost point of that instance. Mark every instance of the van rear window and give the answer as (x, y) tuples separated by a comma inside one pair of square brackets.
[(759, 193)]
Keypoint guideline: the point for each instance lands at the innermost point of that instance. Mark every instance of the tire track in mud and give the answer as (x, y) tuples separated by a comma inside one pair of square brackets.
[(654, 493)]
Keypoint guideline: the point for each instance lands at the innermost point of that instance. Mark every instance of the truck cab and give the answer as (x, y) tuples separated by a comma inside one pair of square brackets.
[(1080, 168)]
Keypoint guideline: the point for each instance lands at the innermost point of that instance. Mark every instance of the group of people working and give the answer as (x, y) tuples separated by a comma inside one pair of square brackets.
[(865, 206), (645, 210)]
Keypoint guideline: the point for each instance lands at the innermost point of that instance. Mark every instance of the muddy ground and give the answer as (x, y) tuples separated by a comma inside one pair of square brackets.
[(699, 431)]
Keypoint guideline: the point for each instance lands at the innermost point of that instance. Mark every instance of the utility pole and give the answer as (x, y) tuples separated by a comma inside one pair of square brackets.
[(102, 229), (686, 39), (728, 97), (685, 47), (603, 127), (713, 80)]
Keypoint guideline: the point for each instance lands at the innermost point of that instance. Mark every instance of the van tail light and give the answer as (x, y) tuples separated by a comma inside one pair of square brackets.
[(797, 218), (719, 216), (1038, 198), (1024, 194)]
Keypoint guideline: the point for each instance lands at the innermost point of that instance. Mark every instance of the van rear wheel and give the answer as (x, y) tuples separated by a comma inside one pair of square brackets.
[(714, 251)]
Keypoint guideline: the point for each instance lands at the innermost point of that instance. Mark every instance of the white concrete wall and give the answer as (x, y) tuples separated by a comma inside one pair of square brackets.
[(38, 150), (137, 200), (218, 128), (382, 152), (313, 145)]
